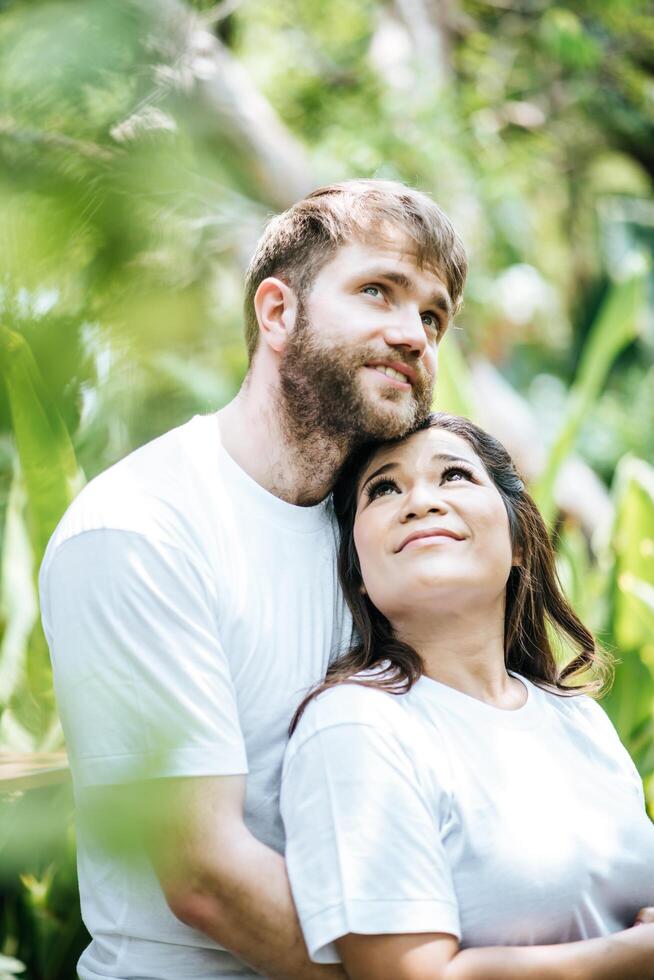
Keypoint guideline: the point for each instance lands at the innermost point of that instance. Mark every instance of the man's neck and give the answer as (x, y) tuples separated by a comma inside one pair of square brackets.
[(298, 470)]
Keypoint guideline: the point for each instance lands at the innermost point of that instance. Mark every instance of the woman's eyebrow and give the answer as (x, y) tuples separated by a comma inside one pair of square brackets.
[(382, 469), (454, 459), (446, 457)]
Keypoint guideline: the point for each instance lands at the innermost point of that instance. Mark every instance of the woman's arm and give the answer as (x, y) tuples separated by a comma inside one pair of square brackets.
[(627, 955)]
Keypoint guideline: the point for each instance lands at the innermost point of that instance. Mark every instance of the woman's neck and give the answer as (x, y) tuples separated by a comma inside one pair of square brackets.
[(466, 651)]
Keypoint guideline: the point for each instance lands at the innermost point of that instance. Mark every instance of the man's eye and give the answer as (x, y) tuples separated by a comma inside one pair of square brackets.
[(381, 489), (372, 290), (431, 322)]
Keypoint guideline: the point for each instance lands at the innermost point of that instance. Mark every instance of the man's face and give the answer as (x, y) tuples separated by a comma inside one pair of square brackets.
[(361, 361)]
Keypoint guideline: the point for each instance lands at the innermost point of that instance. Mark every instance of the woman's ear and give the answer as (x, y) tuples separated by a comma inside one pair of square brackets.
[(362, 589), (516, 561)]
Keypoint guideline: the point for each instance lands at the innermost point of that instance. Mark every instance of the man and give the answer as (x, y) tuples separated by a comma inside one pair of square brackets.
[(189, 595)]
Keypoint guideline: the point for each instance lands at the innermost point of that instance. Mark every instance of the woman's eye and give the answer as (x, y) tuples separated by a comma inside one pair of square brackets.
[(381, 489), (456, 473)]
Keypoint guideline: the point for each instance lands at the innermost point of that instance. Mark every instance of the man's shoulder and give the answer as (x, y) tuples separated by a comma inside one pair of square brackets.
[(150, 492)]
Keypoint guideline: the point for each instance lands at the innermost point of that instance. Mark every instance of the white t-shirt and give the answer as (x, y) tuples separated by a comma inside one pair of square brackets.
[(436, 812), (187, 611)]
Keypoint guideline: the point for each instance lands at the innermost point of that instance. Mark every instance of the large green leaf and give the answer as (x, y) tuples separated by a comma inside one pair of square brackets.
[(631, 621), (454, 391), (617, 324), (49, 468), (17, 596), (633, 542)]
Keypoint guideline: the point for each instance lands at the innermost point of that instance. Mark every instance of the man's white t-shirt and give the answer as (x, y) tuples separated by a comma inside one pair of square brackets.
[(436, 812), (187, 611)]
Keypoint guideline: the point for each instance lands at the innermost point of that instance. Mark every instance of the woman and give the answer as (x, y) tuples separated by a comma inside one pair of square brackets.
[(455, 807)]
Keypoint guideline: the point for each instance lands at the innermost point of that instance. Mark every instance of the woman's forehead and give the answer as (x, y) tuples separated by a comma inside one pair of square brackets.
[(434, 442)]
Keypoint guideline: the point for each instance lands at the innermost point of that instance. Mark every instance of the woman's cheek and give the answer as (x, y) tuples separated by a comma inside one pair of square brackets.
[(366, 542)]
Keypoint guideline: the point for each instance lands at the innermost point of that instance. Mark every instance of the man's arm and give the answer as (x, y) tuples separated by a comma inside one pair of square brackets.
[(151, 721), (220, 879)]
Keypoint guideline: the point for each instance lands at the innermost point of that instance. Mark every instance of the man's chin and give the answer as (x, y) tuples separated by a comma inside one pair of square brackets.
[(388, 418), (392, 409)]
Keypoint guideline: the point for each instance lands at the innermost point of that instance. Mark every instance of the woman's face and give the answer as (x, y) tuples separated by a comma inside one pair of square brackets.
[(431, 530)]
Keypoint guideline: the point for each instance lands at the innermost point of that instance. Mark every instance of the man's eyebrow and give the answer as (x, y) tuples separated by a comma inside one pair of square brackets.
[(440, 300), (445, 457)]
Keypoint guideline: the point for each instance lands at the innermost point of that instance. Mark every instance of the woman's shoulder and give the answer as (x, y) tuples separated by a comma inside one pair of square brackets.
[(357, 701), (588, 718), (577, 706)]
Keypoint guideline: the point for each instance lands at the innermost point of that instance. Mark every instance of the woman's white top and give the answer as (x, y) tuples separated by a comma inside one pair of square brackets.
[(436, 812)]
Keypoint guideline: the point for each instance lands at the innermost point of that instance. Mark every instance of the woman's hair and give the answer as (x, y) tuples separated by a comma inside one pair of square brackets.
[(537, 613)]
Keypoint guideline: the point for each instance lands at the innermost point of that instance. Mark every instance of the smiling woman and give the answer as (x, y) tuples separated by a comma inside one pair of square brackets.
[(426, 778)]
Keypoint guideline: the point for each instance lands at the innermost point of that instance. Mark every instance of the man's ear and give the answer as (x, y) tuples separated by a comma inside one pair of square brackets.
[(275, 305)]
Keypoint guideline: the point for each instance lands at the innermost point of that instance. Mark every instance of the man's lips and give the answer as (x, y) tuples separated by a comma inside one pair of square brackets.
[(398, 366), (434, 532)]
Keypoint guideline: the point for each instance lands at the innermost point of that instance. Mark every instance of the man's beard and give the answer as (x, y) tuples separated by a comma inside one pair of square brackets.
[(323, 393)]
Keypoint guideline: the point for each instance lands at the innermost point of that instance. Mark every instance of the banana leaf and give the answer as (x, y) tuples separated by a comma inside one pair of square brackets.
[(17, 595), (49, 468), (633, 541), (617, 324), (631, 621)]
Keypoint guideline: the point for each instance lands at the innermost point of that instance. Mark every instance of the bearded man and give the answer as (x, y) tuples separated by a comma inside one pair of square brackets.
[(190, 599)]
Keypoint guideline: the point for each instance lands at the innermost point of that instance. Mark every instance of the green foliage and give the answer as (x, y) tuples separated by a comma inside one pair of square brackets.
[(40, 921), (617, 325), (45, 453), (629, 618)]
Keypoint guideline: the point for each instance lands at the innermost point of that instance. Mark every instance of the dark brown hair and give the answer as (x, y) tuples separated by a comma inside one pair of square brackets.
[(537, 613), (297, 244)]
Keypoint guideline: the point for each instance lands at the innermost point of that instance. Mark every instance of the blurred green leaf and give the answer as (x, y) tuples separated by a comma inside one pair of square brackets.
[(453, 392), (17, 596), (617, 324), (567, 39), (47, 459), (633, 542), (631, 701)]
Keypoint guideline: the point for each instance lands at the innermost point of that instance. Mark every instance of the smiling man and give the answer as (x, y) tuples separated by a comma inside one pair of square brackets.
[(189, 594)]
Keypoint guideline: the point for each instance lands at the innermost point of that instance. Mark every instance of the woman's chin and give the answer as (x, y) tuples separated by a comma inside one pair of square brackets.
[(430, 595)]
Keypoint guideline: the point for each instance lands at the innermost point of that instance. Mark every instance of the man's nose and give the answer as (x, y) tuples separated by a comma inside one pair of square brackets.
[(407, 330)]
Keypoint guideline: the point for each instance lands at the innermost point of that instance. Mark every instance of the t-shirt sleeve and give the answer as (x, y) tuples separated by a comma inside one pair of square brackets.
[(143, 685), (364, 852), (606, 735)]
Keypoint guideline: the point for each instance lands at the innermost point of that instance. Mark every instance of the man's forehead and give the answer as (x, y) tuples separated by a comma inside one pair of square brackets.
[(385, 242), (398, 255)]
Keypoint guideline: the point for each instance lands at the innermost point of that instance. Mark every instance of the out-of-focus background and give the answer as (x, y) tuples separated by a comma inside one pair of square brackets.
[(143, 143)]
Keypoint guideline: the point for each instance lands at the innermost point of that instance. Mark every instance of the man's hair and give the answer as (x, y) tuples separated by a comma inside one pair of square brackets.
[(298, 243)]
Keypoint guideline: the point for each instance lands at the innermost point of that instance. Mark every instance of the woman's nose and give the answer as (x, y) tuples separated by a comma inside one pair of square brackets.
[(422, 502)]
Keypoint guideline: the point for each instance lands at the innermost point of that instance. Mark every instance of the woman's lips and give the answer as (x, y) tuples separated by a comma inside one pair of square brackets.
[(426, 534)]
